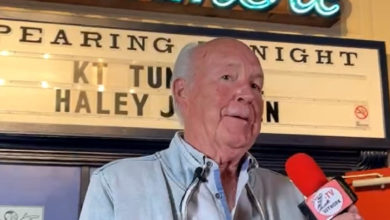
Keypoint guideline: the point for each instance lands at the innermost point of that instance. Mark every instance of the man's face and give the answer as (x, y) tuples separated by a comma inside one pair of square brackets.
[(225, 98)]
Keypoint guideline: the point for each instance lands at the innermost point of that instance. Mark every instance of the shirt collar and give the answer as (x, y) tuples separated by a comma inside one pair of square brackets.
[(247, 164), (181, 159)]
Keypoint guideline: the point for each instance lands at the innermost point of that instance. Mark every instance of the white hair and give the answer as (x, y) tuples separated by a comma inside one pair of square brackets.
[(183, 69)]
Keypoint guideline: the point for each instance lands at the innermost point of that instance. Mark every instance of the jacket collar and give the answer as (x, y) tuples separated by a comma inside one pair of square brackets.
[(181, 159), (179, 162)]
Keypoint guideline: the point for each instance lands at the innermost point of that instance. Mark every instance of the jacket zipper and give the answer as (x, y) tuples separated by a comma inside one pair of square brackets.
[(187, 197), (257, 203)]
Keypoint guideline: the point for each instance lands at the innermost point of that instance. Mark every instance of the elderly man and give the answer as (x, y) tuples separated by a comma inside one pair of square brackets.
[(207, 172)]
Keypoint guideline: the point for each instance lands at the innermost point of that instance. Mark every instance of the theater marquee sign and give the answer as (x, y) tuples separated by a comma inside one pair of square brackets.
[(321, 13), (120, 77)]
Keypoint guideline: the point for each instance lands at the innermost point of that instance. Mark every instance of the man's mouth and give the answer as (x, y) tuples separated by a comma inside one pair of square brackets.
[(239, 117), (237, 112)]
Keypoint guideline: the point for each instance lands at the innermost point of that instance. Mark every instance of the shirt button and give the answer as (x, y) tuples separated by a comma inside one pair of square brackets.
[(209, 164), (218, 195)]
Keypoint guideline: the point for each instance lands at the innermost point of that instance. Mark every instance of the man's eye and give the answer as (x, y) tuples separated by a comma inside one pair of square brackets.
[(255, 86), (226, 77)]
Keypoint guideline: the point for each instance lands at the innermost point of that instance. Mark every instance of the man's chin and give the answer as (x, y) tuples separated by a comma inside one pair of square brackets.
[(238, 142), (236, 138)]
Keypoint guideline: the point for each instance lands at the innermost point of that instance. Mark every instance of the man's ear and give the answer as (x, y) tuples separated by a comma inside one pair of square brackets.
[(179, 92)]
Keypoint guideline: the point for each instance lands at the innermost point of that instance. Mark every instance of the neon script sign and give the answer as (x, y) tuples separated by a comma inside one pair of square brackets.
[(323, 8)]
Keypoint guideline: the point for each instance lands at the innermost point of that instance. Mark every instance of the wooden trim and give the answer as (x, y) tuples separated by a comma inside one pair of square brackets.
[(333, 161), (54, 157), (370, 159), (84, 182)]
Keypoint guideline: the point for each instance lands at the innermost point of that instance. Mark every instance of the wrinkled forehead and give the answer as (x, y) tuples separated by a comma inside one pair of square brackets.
[(223, 45), (229, 51)]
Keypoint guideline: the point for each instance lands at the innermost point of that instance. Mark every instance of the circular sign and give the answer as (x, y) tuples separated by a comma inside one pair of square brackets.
[(328, 201), (361, 112)]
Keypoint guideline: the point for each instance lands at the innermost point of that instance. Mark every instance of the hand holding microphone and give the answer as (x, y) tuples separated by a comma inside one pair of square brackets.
[(351, 214), (324, 199)]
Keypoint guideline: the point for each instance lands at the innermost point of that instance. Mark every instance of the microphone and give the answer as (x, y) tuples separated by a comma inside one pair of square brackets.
[(324, 199), (199, 174)]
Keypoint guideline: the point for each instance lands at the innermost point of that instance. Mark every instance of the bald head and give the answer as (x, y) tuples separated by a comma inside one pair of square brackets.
[(220, 44), (194, 52)]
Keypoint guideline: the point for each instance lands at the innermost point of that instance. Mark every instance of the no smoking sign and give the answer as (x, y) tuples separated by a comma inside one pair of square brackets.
[(361, 112)]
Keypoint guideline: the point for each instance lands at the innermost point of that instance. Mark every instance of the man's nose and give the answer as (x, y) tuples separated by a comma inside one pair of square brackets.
[(245, 94)]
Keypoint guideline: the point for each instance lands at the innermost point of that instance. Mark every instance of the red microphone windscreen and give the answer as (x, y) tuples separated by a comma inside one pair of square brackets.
[(304, 172)]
